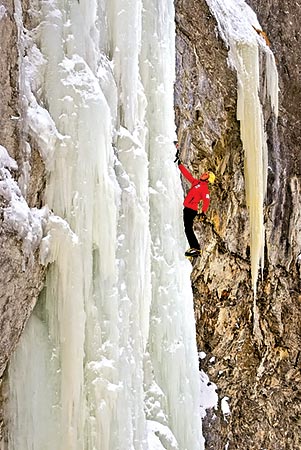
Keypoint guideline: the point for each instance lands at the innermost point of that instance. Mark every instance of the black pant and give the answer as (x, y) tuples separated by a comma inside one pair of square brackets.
[(188, 216)]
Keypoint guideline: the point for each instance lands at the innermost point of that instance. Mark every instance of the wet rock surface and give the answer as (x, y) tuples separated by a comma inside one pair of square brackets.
[(255, 346)]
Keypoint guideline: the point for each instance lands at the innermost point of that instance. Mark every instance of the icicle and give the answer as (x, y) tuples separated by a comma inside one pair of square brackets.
[(249, 113), (271, 81), (236, 22)]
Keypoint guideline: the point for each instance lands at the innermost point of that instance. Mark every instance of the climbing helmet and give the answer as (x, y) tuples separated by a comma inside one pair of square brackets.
[(211, 177)]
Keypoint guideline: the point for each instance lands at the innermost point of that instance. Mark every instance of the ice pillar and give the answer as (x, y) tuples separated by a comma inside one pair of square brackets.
[(115, 268), (237, 23)]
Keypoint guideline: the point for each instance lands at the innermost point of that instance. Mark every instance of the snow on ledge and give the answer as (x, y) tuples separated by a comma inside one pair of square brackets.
[(26, 222), (6, 160), (160, 437)]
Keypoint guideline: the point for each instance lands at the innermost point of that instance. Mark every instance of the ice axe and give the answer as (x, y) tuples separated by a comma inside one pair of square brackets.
[(177, 153)]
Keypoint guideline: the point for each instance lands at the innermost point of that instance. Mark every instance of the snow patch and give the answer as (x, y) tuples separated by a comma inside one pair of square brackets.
[(6, 161), (2, 11), (160, 437), (26, 222), (209, 396), (202, 355), (225, 407), (57, 234)]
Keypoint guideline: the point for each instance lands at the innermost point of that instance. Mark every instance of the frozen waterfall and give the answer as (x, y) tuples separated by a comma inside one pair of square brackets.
[(237, 23), (108, 360)]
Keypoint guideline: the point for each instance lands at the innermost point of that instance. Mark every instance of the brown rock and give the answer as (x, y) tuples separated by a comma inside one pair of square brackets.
[(256, 349)]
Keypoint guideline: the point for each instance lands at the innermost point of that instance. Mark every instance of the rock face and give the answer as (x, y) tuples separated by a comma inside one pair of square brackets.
[(256, 351), (20, 278)]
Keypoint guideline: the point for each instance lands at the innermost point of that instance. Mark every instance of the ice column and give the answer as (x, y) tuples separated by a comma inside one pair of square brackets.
[(112, 339), (236, 22), (172, 344)]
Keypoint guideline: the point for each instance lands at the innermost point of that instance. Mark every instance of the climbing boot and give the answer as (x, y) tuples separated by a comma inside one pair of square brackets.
[(193, 252)]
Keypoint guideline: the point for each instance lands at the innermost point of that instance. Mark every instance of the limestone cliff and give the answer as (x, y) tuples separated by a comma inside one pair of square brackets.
[(256, 367)]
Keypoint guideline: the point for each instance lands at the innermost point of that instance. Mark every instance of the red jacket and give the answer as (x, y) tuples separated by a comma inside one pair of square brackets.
[(198, 191)]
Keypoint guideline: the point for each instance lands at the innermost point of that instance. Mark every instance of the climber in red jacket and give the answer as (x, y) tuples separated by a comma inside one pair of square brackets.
[(198, 192)]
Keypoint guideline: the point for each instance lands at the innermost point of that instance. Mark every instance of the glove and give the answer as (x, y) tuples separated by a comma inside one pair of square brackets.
[(177, 157)]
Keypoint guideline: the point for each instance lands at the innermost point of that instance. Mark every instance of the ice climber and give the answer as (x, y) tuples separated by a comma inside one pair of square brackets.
[(198, 192)]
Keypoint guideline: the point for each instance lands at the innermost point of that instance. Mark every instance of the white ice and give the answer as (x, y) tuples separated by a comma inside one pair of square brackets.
[(113, 334)]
